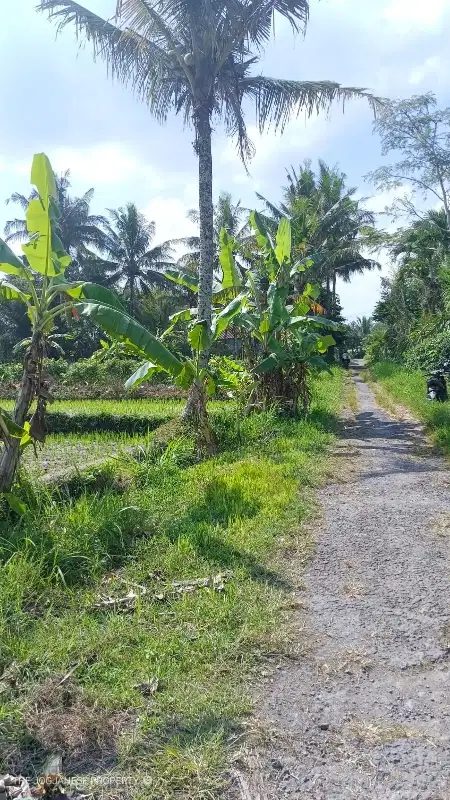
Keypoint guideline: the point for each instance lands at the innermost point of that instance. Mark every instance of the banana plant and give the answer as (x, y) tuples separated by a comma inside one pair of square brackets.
[(40, 284), (228, 302), (226, 285), (201, 337), (285, 337)]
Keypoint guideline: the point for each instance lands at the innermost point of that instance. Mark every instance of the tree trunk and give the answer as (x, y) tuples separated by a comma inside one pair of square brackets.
[(445, 200), (198, 421), (195, 410), (206, 213), (334, 293), (447, 211), (9, 459), (280, 390), (132, 298)]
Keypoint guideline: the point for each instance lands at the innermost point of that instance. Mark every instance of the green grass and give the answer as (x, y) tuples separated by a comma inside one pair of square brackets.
[(118, 416), (69, 453), (243, 514), (409, 389), (142, 407)]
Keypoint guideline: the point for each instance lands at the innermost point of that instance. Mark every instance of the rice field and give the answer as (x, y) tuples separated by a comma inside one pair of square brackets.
[(82, 433)]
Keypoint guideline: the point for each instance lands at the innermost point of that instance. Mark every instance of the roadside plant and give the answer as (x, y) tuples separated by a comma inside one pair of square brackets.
[(41, 286), (284, 340), (190, 373)]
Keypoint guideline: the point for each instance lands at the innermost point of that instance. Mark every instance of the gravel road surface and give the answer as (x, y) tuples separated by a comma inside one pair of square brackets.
[(366, 713)]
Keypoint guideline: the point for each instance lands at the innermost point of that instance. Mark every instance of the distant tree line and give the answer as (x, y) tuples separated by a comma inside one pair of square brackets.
[(118, 250), (412, 318)]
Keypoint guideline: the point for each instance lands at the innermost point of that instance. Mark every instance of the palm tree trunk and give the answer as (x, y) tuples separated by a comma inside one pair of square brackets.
[(206, 213), (334, 292), (132, 299), (445, 199), (195, 410), (9, 459)]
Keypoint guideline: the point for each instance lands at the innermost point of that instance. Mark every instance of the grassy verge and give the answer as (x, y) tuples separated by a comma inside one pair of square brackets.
[(409, 389), (156, 687)]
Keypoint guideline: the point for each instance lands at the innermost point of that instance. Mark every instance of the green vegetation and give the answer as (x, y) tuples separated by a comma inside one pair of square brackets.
[(328, 224), (201, 61), (412, 315), (150, 523), (280, 335), (408, 389), (41, 286), (145, 551), (126, 416)]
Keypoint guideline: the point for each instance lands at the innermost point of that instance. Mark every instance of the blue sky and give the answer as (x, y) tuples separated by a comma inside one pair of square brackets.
[(56, 99)]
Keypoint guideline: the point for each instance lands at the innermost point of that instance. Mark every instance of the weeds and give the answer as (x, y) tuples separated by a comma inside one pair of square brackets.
[(409, 389), (153, 522)]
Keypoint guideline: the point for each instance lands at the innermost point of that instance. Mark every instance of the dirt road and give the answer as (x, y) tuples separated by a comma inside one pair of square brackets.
[(367, 713)]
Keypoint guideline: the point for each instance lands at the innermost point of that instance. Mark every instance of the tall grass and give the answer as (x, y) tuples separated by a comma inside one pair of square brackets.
[(409, 389), (147, 524), (132, 407)]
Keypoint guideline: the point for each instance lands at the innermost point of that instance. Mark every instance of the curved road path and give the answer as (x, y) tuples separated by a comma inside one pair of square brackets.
[(366, 714)]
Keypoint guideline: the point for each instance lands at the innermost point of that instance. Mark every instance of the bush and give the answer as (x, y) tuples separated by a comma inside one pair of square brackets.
[(10, 373), (376, 346), (88, 377), (429, 353)]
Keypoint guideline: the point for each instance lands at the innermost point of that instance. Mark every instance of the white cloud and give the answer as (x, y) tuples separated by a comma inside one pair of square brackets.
[(299, 135), (102, 163), (169, 215), (432, 66), (108, 163), (408, 14)]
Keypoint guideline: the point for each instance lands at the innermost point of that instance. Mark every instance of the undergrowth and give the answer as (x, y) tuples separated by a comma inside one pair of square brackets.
[(156, 687), (409, 389)]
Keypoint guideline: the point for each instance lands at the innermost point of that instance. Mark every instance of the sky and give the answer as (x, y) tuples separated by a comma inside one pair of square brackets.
[(56, 99)]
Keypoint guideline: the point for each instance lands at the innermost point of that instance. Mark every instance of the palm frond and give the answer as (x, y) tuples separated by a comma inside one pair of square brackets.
[(277, 101), (191, 242), (359, 266), (277, 213), (16, 231), (161, 252), (128, 56), (20, 199)]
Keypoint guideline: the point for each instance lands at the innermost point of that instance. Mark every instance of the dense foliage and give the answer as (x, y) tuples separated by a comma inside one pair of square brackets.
[(412, 315)]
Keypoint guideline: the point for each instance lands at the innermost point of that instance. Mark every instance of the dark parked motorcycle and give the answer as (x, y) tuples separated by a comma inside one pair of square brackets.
[(437, 384), (345, 360)]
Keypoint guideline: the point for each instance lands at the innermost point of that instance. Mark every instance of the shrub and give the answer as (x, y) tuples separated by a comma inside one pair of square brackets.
[(89, 377), (429, 353), (376, 346), (10, 373)]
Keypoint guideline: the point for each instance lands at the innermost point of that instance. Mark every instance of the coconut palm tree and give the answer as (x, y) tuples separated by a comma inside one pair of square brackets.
[(422, 250), (199, 58), (132, 263), (363, 326), (227, 215), (327, 223), (78, 229)]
